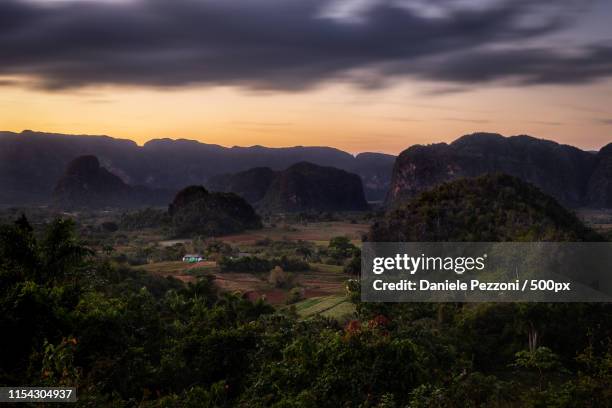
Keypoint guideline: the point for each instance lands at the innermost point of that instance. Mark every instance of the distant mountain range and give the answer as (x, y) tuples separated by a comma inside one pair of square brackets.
[(574, 177), (31, 163), (301, 187)]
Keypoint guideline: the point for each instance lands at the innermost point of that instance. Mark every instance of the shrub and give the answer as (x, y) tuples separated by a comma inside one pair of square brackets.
[(295, 295), (278, 277)]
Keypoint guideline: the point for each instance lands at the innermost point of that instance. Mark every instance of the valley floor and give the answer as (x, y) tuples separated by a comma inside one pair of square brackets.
[(322, 288)]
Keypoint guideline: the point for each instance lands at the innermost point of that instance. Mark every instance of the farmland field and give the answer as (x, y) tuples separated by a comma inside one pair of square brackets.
[(319, 233), (323, 283), (335, 306)]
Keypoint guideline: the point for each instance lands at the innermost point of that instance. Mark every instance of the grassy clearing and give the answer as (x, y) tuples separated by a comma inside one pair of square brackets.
[(178, 268), (342, 311), (164, 268), (202, 268), (337, 307), (306, 304)]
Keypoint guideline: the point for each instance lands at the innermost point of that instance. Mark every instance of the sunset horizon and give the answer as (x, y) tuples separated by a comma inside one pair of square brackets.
[(203, 141), (362, 75)]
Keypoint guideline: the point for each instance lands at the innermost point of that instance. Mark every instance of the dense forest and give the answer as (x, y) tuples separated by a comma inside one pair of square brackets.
[(489, 208), (124, 337)]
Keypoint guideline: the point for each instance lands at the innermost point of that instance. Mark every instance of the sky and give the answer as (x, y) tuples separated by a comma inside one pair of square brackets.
[(359, 75)]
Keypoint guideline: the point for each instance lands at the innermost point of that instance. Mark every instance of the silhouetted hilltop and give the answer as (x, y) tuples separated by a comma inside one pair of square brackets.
[(86, 184), (489, 208), (32, 162), (250, 184), (559, 170), (308, 187), (195, 211)]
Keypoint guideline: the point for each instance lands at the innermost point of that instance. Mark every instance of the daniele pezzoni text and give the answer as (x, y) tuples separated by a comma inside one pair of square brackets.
[(485, 272), (405, 263)]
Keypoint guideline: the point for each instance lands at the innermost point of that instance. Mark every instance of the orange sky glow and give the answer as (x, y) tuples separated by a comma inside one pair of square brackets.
[(359, 75), (387, 120)]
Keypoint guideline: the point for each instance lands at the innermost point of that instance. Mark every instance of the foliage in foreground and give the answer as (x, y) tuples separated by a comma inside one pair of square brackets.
[(125, 338)]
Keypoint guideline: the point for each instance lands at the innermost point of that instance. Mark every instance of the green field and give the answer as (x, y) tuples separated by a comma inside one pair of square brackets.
[(177, 268), (337, 307), (164, 268)]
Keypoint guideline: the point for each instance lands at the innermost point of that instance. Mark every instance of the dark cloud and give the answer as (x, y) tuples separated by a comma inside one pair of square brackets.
[(285, 44), (534, 66)]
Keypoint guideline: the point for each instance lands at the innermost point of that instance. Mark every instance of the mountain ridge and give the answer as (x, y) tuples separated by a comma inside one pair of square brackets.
[(31, 162), (308, 187), (87, 184), (563, 171), (302, 186)]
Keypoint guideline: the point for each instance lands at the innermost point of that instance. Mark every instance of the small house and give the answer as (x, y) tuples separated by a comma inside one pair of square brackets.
[(193, 258)]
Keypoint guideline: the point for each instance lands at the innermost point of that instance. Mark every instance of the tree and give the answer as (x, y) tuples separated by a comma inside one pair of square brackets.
[(341, 248), (354, 265), (541, 359), (304, 251), (278, 277), (60, 250)]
